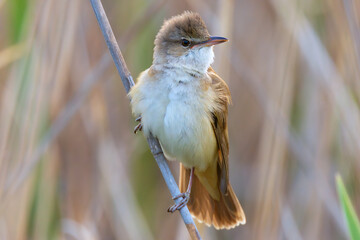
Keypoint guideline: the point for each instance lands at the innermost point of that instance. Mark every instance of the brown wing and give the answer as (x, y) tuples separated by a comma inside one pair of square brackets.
[(219, 123), (224, 210)]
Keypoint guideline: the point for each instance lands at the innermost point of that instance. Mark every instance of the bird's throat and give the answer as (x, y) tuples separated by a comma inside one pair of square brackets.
[(195, 62)]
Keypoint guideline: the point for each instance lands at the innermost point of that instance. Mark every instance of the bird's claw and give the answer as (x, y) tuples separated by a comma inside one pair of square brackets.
[(139, 126), (185, 199)]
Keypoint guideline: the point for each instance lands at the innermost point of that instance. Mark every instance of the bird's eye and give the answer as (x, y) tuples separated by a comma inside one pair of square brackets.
[(185, 42)]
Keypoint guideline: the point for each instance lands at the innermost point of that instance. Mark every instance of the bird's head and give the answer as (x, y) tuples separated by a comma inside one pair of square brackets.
[(184, 41)]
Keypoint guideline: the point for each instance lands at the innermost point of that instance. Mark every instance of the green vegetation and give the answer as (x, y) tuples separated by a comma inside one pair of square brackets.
[(352, 219)]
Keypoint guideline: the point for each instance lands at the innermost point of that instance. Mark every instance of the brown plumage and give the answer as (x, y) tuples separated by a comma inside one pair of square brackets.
[(224, 210), (184, 103)]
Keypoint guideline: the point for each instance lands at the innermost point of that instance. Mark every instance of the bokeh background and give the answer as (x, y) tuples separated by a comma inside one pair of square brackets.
[(71, 167)]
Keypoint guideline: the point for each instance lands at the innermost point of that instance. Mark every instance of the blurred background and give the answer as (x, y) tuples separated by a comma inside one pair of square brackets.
[(71, 167)]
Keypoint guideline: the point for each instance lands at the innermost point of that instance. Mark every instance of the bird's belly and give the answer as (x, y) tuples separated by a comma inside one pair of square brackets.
[(177, 113), (187, 135)]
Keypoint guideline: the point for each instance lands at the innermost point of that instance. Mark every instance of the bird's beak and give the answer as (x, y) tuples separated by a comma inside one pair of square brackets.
[(212, 41)]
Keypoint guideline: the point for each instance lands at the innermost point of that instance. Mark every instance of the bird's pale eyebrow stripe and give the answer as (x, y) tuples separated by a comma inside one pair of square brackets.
[(174, 40), (179, 41), (193, 42)]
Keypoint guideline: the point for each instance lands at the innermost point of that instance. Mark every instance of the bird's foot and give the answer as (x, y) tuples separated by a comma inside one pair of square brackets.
[(185, 199), (139, 126)]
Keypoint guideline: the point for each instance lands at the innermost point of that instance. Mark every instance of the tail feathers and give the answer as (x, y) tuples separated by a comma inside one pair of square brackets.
[(225, 213)]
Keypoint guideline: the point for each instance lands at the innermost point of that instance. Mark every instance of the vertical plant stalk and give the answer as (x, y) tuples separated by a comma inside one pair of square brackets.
[(153, 142)]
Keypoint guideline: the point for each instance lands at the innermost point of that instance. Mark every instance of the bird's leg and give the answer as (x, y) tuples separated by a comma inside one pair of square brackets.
[(139, 126), (185, 196)]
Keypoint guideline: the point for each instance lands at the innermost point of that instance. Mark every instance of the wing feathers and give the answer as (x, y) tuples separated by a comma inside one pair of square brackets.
[(222, 208), (219, 123), (223, 213)]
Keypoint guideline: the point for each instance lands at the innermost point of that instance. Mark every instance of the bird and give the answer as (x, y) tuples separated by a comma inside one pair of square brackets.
[(182, 102)]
